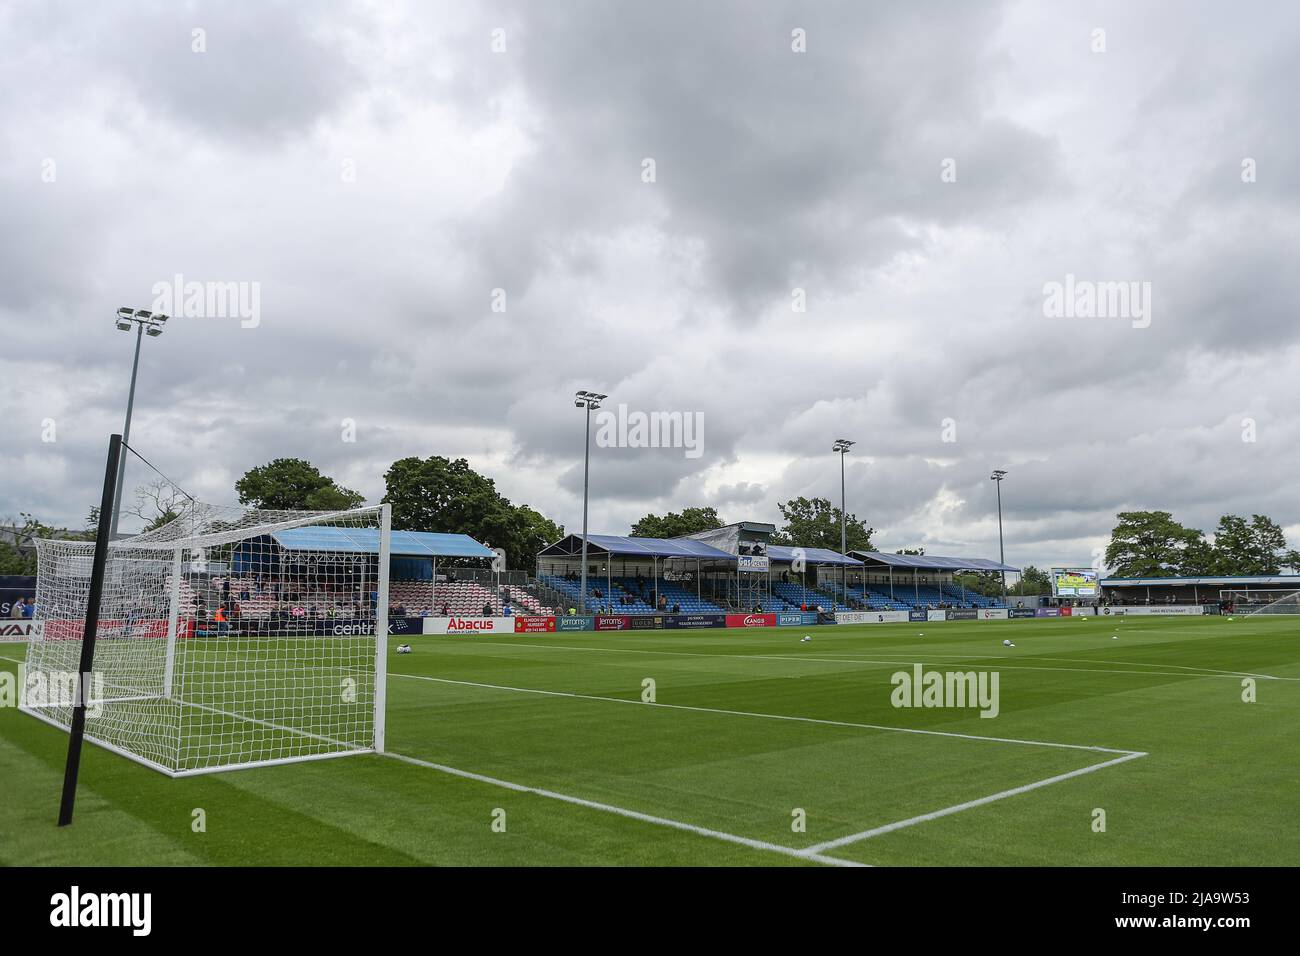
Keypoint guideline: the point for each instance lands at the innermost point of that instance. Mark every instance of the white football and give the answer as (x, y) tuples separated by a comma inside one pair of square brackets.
[(403, 648), (1007, 644), (805, 638)]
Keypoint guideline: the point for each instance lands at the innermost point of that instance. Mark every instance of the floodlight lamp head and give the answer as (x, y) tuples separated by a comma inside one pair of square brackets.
[(842, 445), (153, 331), (143, 314), (123, 324), (125, 312), (998, 475)]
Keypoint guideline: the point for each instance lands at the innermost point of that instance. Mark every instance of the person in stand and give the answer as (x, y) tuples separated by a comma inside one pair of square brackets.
[(445, 609), (487, 609), (19, 610)]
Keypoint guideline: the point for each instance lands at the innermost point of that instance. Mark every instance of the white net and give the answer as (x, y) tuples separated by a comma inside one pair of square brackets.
[(1263, 601), (1268, 602), (226, 638)]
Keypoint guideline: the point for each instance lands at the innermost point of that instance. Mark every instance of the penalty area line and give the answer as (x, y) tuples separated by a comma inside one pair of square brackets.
[(806, 854), (820, 848)]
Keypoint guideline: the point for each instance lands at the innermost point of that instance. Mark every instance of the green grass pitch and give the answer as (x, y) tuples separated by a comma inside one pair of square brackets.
[(750, 732)]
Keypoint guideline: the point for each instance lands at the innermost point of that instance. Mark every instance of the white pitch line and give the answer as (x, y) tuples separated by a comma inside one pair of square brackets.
[(747, 713), (842, 660), (969, 804), (806, 854), (1203, 671)]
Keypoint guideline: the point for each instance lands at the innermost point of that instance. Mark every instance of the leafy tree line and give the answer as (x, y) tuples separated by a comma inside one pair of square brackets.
[(427, 494), (806, 522), (1151, 544)]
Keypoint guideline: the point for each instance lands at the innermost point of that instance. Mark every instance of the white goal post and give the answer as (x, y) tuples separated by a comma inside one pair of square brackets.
[(227, 638)]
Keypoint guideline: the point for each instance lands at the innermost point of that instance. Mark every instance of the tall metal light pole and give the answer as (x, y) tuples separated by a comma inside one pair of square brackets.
[(842, 446), (997, 476), (144, 322), (587, 400)]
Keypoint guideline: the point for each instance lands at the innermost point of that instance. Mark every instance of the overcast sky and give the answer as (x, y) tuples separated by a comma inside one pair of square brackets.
[(374, 171)]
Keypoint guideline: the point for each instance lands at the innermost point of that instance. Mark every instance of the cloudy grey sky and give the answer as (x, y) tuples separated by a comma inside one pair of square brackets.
[(377, 170)]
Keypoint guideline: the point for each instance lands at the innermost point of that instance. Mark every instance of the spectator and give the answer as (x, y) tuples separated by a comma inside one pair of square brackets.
[(29, 609), (19, 610), (487, 608), (677, 609), (445, 609)]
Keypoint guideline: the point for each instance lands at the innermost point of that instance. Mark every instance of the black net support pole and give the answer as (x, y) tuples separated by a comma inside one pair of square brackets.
[(77, 731)]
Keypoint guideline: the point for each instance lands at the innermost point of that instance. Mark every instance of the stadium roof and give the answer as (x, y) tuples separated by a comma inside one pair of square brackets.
[(931, 562), (409, 544), (1202, 580), (625, 546), (782, 553)]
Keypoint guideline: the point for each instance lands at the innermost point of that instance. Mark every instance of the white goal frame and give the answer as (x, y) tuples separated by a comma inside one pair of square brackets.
[(160, 684)]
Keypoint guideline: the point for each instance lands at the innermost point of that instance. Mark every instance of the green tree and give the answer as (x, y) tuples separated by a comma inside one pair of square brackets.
[(1032, 581), (813, 523), (438, 494), (292, 484), (1255, 547), (674, 525), (987, 583), (19, 556), (1150, 544)]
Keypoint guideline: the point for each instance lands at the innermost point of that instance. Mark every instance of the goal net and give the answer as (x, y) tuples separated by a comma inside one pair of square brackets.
[(1263, 601), (227, 638)]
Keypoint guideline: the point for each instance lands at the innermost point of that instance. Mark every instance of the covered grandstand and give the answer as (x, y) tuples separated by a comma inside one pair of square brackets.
[(919, 580), (337, 567), (1238, 591), (735, 568)]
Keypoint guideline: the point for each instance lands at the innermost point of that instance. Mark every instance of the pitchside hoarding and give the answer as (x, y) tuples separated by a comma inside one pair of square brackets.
[(796, 618), (469, 625), (575, 622), (19, 631), (993, 614), (534, 624), (696, 620), (1166, 610), (872, 617), (751, 620)]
